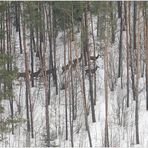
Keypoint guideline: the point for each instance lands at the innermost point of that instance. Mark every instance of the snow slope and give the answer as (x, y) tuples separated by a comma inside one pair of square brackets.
[(121, 119)]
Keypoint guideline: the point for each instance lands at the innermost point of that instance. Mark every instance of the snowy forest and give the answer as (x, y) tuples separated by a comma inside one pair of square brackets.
[(74, 74)]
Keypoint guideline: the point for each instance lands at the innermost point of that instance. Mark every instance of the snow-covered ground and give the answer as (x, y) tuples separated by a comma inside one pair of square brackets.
[(121, 119)]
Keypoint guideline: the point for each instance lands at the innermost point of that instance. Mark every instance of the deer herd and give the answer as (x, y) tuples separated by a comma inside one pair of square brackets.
[(65, 68), (75, 62)]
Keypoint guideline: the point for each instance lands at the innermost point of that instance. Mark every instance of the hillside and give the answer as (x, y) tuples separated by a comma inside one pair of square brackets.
[(73, 74)]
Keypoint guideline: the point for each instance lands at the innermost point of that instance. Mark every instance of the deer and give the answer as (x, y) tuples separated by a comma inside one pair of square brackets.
[(63, 86), (36, 74), (94, 57), (22, 74), (65, 68), (74, 63), (92, 70), (79, 59), (39, 72)]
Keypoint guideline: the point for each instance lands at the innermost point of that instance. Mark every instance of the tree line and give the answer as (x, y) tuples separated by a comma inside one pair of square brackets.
[(37, 25)]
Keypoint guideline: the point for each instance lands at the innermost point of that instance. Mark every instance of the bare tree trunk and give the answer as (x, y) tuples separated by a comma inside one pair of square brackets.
[(95, 91), (131, 55), (66, 119), (88, 56), (43, 65), (137, 82), (98, 25), (82, 84), (9, 65), (106, 142), (146, 51), (19, 26), (134, 25), (54, 44), (50, 36), (120, 46), (119, 9), (71, 89), (27, 86), (112, 23), (127, 49), (31, 50), (84, 102)]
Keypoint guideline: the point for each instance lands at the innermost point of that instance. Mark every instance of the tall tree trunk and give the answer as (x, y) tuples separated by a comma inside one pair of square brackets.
[(137, 80), (88, 56), (19, 26), (95, 91), (119, 9), (71, 89), (50, 36), (146, 51), (106, 95), (112, 23), (127, 49), (45, 77), (16, 16), (31, 50), (131, 54), (27, 87), (9, 65), (54, 47), (65, 79), (82, 84), (106, 41), (134, 25), (120, 46)]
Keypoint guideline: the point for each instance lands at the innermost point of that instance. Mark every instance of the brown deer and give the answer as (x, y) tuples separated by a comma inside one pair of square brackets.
[(79, 59), (94, 58), (92, 70), (22, 74), (75, 61), (63, 86), (65, 68), (40, 72), (36, 74)]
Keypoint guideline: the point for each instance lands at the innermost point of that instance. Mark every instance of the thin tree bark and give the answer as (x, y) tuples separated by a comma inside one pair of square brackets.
[(27, 87), (31, 49), (106, 95), (46, 83), (146, 51), (134, 25), (112, 23), (127, 49), (9, 65), (66, 119), (71, 90), (131, 54), (19, 26), (137, 81), (120, 46), (95, 91), (88, 56), (82, 84), (119, 9), (54, 47)]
